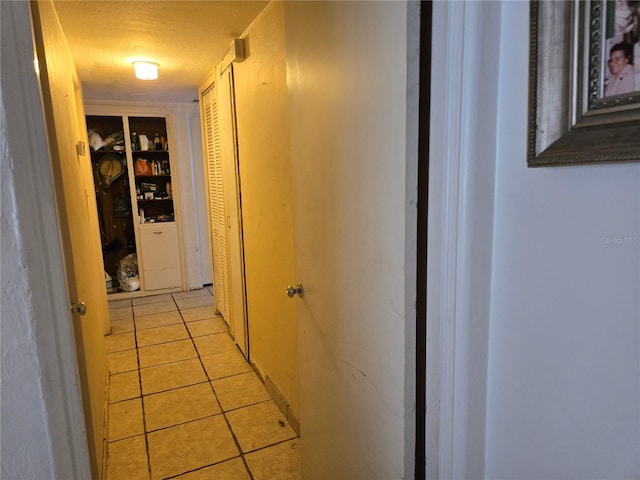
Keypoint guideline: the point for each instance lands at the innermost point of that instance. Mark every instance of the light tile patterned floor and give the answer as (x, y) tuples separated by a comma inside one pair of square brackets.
[(183, 401)]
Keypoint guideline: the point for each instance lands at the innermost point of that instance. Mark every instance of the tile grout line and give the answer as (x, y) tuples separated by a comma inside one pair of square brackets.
[(213, 390), (144, 415), (295, 437)]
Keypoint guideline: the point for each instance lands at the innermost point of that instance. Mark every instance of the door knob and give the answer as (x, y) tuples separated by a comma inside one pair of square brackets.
[(292, 291), (79, 308)]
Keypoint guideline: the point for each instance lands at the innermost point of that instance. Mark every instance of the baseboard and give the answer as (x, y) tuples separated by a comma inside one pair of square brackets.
[(279, 399)]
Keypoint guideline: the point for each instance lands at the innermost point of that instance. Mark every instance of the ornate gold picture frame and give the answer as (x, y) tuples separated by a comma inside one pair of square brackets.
[(575, 114)]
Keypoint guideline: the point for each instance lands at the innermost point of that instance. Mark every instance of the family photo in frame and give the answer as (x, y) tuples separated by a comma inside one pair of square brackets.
[(622, 33), (584, 82)]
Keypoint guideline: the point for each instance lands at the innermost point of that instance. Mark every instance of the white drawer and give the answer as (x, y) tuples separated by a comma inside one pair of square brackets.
[(160, 256)]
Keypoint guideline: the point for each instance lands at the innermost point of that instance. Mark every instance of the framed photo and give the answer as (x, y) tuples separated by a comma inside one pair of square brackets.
[(584, 82)]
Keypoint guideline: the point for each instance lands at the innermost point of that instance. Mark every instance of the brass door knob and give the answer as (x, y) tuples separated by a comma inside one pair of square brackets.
[(297, 290)]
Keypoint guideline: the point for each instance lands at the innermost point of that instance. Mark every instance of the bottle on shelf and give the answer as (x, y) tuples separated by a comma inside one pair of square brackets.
[(156, 143), (135, 143)]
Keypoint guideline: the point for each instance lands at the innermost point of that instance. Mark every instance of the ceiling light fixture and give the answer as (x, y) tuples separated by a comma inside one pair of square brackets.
[(146, 70)]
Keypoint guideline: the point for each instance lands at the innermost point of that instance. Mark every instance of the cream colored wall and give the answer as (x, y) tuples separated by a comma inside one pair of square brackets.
[(352, 96), (263, 140)]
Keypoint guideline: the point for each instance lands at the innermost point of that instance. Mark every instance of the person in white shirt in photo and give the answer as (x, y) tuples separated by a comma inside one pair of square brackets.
[(621, 78)]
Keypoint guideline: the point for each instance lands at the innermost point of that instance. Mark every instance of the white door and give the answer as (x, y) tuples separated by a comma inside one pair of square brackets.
[(215, 196), (353, 220), (218, 113), (232, 207)]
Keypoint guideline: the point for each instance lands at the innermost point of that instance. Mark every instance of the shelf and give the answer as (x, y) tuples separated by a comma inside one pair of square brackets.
[(158, 219), (105, 151), (143, 200), (162, 175)]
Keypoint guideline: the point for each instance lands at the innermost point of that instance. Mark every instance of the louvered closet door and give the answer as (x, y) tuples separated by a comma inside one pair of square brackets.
[(216, 204), (232, 207)]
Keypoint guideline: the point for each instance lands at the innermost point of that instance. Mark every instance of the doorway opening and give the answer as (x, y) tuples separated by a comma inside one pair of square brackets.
[(418, 368)]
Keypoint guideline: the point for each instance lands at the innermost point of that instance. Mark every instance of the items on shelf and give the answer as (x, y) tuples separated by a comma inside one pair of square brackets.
[(144, 142), (168, 217), (114, 141), (109, 168), (120, 207), (152, 191), (108, 280), (142, 167), (146, 167), (128, 273)]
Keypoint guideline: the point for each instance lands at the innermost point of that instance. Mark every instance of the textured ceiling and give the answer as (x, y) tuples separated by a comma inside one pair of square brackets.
[(187, 38)]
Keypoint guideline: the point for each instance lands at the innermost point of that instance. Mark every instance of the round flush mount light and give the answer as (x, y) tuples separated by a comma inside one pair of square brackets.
[(146, 70)]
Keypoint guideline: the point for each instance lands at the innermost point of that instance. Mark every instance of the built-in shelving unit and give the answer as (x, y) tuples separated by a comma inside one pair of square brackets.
[(135, 198)]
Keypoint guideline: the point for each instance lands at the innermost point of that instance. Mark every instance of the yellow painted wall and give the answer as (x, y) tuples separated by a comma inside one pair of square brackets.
[(265, 173)]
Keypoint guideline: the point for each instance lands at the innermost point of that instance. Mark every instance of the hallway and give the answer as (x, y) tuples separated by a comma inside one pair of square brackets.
[(182, 400)]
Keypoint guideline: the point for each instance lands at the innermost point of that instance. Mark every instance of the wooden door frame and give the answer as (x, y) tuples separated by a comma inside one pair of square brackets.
[(460, 230), (35, 202)]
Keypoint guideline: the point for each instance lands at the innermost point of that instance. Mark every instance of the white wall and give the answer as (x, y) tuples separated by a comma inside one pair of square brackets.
[(205, 274), (197, 251), (564, 361), (24, 423), (538, 374), (40, 392)]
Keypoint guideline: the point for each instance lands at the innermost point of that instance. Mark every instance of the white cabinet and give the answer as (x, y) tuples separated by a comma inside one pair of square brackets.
[(133, 173), (160, 260)]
